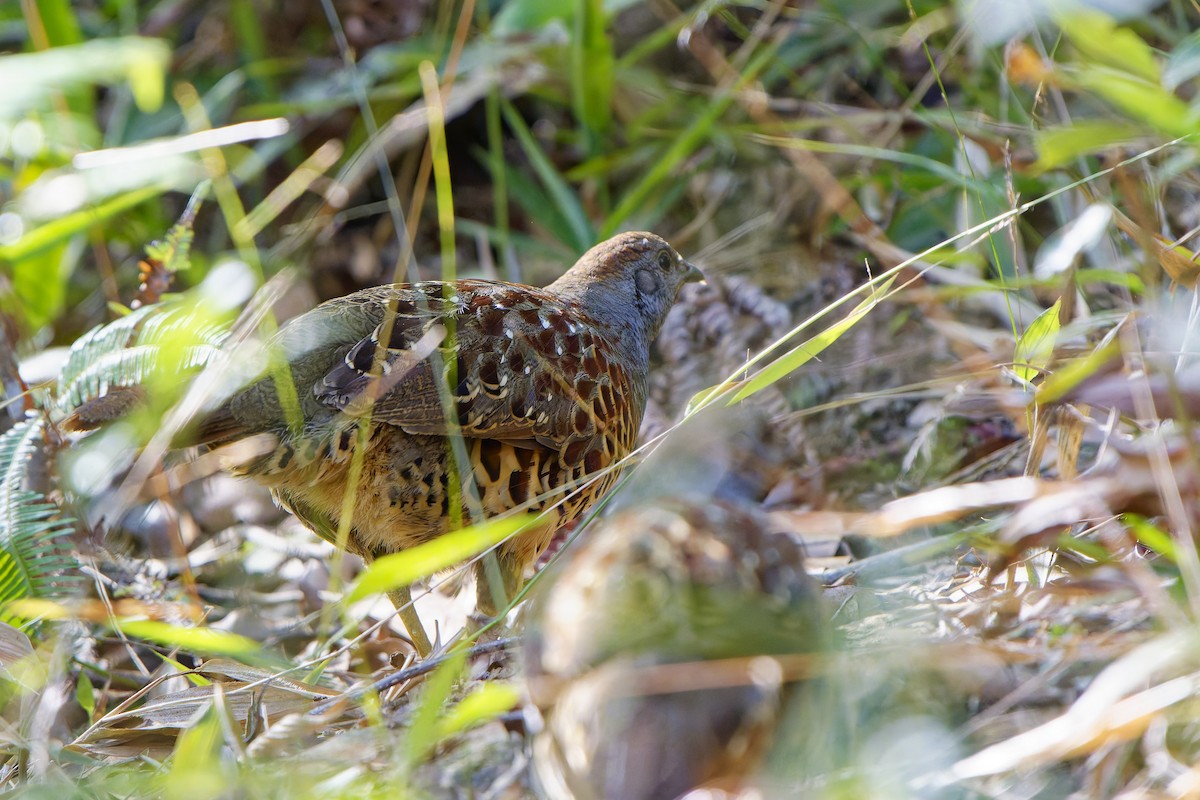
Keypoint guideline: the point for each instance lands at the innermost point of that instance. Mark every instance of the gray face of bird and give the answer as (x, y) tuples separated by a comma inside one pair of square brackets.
[(628, 283)]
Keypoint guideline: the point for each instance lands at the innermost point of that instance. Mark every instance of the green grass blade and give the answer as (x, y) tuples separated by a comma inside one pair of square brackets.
[(683, 146), (1076, 371), (46, 236), (485, 703), (31, 79), (592, 63), (401, 569), (202, 641), (802, 354), (583, 235), (1058, 146)]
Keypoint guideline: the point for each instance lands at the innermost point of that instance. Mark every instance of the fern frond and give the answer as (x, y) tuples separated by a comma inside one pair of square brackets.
[(97, 343), (35, 561), (18, 445), (202, 330), (124, 352)]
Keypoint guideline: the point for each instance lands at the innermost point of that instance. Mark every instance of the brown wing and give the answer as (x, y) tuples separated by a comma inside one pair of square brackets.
[(526, 367)]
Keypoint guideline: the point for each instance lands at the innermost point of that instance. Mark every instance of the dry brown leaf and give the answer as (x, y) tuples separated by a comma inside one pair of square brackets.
[(227, 668), (177, 709), (1024, 65)]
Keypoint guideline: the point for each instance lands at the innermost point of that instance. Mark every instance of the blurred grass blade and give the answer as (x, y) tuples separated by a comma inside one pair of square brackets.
[(85, 695), (1183, 63), (521, 17), (1035, 347), (46, 236), (401, 569), (527, 194), (237, 133), (912, 162), (204, 641), (684, 145), (1148, 102), (196, 769), (30, 80), (58, 21), (1152, 536), (422, 736), (592, 63), (1067, 377), (296, 184), (801, 355), (1061, 249), (583, 235), (482, 705)]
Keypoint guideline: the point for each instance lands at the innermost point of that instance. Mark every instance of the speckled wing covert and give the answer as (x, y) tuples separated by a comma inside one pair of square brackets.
[(527, 367)]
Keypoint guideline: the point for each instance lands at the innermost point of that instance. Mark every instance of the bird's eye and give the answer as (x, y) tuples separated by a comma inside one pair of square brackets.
[(664, 259)]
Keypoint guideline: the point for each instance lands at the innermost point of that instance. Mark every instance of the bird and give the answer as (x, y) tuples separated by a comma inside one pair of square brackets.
[(545, 389), (662, 655)]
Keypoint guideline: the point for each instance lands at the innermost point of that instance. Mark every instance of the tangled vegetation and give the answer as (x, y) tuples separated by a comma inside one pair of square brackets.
[(951, 259)]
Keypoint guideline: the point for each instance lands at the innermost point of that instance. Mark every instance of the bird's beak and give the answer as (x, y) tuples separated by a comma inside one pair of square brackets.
[(693, 275)]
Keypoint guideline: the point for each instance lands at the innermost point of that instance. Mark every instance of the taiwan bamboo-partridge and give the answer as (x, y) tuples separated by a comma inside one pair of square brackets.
[(662, 655), (547, 388)]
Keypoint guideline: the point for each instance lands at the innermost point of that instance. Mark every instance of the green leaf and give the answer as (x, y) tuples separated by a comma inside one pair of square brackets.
[(1075, 372), (39, 284), (1035, 347), (173, 253), (85, 695), (482, 705), (801, 355), (1058, 146), (1144, 101), (59, 22), (401, 569), (156, 347), (1100, 41), (35, 561), (526, 16)]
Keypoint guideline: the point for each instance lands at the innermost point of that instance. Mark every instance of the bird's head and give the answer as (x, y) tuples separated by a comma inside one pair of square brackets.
[(629, 282)]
